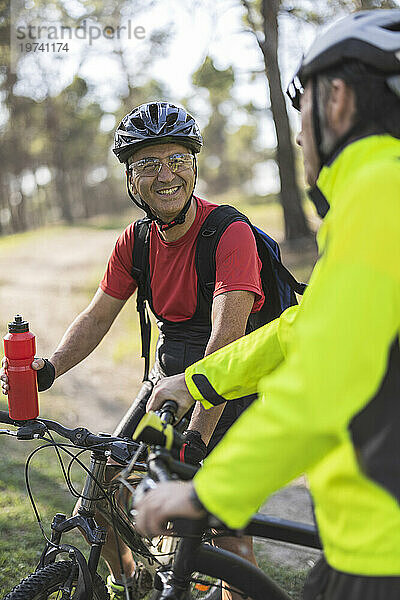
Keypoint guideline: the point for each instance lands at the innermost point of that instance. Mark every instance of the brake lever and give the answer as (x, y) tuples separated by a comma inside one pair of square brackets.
[(141, 490), (31, 430)]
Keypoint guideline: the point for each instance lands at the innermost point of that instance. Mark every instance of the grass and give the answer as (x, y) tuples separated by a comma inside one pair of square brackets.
[(9, 242), (290, 580)]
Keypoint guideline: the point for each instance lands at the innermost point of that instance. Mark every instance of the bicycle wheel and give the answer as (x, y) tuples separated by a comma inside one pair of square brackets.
[(237, 572), (46, 584)]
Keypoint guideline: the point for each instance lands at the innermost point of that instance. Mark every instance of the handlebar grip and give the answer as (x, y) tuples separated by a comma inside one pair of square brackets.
[(168, 412)]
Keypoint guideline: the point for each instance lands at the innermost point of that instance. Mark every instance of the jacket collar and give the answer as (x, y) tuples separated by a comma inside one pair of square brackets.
[(347, 161)]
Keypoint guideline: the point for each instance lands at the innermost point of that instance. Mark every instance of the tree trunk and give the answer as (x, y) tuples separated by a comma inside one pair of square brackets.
[(56, 155), (21, 214), (295, 222)]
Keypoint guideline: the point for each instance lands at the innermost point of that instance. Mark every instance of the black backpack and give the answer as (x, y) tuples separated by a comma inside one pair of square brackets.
[(279, 285)]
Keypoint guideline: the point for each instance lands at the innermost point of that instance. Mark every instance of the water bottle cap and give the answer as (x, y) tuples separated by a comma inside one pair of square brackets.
[(18, 325)]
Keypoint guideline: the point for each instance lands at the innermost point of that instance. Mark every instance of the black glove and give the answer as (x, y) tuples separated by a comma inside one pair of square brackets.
[(46, 376), (194, 449)]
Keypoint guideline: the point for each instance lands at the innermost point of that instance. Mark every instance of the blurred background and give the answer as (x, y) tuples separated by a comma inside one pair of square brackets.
[(225, 61), (69, 71)]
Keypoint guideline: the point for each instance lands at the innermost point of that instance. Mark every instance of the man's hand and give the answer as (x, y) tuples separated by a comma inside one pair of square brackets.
[(168, 500), (45, 376), (171, 388)]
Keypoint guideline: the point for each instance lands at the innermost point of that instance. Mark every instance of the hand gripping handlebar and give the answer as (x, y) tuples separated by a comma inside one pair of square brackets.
[(155, 428)]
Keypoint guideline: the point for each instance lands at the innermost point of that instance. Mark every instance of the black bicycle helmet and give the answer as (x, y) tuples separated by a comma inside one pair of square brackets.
[(371, 37), (155, 123)]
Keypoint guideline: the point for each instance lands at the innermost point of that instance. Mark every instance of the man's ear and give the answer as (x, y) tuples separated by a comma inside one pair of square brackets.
[(340, 107)]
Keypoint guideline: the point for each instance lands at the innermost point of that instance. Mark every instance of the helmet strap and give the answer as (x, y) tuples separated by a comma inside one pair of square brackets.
[(162, 226), (317, 123)]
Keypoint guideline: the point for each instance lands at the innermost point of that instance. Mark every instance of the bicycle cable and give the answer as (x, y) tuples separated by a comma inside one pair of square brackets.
[(67, 478), (50, 442), (53, 444)]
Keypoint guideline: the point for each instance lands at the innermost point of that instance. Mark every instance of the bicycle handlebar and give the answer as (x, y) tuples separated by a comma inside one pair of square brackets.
[(168, 412), (80, 436)]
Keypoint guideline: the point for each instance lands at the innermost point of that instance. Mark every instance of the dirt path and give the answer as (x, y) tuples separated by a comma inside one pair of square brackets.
[(49, 278)]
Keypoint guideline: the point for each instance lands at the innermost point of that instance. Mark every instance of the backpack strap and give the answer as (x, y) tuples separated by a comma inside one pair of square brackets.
[(209, 236), (287, 276), (140, 272), (207, 242)]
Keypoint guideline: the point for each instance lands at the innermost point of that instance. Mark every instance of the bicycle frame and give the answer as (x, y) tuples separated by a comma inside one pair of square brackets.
[(191, 555), (92, 501)]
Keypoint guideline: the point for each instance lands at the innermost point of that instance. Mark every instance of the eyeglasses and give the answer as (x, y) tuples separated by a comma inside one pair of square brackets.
[(150, 167)]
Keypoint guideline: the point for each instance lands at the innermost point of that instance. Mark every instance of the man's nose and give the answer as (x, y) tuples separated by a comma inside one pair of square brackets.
[(165, 174)]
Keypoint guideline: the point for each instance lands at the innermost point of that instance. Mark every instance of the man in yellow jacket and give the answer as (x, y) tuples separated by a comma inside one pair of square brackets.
[(327, 373)]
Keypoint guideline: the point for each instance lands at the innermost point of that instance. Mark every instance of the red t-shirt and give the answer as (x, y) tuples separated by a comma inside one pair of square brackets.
[(172, 267)]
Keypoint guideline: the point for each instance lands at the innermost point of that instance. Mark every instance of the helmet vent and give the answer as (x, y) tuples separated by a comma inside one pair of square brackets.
[(153, 110), (138, 123), (153, 123), (392, 27), (171, 119)]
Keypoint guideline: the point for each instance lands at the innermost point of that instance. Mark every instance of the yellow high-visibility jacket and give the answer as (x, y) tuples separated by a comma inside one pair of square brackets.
[(327, 374)]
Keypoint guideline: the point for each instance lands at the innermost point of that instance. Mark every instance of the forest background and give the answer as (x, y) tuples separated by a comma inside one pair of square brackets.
[(227, 62)]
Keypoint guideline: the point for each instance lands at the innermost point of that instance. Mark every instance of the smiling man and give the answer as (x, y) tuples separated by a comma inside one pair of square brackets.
[(157, 143)]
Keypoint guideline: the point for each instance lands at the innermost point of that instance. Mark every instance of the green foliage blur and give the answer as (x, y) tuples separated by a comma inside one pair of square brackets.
[(230, 151), (56, 163), (55, 157)]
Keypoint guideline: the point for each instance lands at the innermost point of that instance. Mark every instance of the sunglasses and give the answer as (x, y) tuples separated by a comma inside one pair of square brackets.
[(295, 90), (150, 167)]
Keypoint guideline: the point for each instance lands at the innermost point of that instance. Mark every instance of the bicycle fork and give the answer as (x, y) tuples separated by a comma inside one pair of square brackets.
[(84, 521)]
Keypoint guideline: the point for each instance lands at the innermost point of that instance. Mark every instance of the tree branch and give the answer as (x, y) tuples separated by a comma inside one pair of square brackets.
[(252, 23)]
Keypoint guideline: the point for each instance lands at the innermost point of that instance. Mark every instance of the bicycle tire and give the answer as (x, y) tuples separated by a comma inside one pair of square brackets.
[(47, 581), (240, 574)]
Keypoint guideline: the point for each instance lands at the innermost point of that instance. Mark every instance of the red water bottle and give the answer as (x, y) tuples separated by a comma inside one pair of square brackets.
[(20, 348)]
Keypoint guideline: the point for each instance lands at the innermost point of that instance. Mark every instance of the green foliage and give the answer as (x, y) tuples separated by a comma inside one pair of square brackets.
[(60, 130), (230, 151), (218, 82)]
